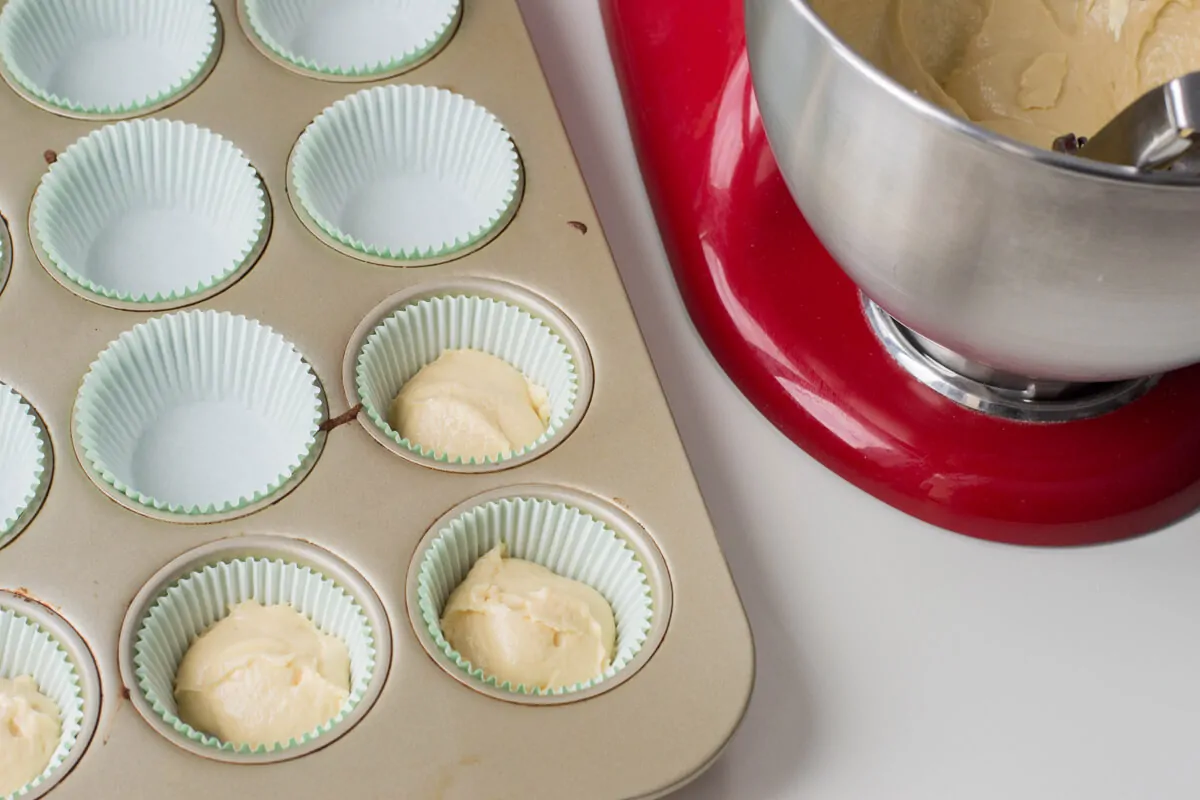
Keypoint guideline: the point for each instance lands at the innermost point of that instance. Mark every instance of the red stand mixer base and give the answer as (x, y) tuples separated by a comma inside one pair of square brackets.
[(787, 325)]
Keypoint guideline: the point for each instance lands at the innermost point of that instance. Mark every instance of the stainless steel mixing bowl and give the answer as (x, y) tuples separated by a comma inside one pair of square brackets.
[(1038, 263)]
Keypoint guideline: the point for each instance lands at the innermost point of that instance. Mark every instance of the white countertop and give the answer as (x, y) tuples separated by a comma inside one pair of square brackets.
[(895, 660)]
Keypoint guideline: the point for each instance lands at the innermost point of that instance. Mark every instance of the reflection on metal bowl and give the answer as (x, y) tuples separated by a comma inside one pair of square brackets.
[(1029, 261)]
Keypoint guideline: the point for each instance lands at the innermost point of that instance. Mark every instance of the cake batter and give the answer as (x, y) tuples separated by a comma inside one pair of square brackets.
[(263, 675), (1029, 69), (519, 622), (29, 732), (470, 405)]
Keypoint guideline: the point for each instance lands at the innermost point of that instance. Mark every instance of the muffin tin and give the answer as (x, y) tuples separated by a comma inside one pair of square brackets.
[(194, 359)]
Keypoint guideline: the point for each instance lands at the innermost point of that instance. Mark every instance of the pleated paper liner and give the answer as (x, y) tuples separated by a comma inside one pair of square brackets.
[(150, 214), (572, 534), (405, 175), (198, 416), (411, 329), (36, 642), (25, 463), (350, 40), (107, 59), (196, 590)]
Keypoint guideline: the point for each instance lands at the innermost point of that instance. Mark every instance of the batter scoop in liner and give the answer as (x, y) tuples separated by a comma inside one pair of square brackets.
[(263, 675), (523, 624), (470, 405), (29, 732)]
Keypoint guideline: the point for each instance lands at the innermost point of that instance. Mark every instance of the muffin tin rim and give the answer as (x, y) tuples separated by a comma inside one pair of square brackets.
[(310, 222), (538, 306), (139, 110), (271, 54), (34, 507), (654, 508), (266, 229), (635, 535), (307, 464), (86, 668), (290, 549), (6, 252)]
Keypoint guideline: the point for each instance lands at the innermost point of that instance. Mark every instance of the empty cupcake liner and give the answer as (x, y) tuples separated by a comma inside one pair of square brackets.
[(198, 413), (107, 57), (192, 604), (26, 648), (23, 462), (149, 211), (418, 332), (565, 539), (353, 38), (407, 174)]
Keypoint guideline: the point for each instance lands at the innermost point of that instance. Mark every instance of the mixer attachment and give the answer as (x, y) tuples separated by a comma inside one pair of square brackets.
[(1158, 131)]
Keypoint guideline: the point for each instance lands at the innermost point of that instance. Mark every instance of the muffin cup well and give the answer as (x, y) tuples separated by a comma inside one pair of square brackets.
[(405, 175), (574, 535), (5, 253), (149, 213), (350, 40), (412, 328), (198, 416), (195, 591), (25, 463), (107, 58), (35, 641)]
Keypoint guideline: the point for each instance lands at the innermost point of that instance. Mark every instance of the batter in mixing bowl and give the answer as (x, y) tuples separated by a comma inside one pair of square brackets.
[(1030, 69)]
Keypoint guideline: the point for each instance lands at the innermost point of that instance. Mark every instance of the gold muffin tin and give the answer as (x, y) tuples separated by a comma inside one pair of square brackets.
[(85, 563)]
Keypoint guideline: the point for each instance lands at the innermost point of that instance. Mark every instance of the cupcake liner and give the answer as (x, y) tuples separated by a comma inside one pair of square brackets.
[(194, 603), (28, 649), (407, 173), (149, 211), (22, 461), (353, 38), (560, 537), (197, 413), (107, 57), (420, 331)]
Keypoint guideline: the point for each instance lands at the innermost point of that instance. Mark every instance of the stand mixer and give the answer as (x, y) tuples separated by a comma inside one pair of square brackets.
[(991, 337)]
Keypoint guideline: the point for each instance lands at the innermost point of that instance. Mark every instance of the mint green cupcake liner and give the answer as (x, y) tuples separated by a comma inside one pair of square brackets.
[(24, 460), (406, 174), (198, 413), (192, 604), (559, 536), (421, 330), (361, 39), (107, 57), (29, 649), (150, 211)]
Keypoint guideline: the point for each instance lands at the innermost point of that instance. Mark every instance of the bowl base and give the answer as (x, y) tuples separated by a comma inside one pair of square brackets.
[(787, 324), (990, 391)]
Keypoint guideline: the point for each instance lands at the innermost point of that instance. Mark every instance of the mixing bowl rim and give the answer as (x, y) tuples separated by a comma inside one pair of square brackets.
[(977, 133)]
